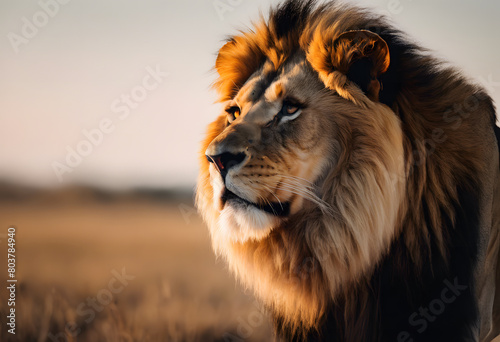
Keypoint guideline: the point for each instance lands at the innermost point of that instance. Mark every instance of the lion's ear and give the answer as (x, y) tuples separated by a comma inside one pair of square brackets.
[(236, 61), (358, 56)]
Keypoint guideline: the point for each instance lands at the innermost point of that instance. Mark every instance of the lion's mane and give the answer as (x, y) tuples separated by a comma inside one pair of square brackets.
[(399, 229)]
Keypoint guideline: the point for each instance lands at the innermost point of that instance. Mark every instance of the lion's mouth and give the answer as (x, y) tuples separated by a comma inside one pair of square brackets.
[(273, 208)]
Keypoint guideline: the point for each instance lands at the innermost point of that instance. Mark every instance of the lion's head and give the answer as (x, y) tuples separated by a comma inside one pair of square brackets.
[(304, 174), (303, 162)]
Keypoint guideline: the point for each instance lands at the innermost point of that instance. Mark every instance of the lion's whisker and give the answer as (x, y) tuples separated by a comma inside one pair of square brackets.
[(298, 186), (306, 193), (297, 178), (272, 193), (263, 199)]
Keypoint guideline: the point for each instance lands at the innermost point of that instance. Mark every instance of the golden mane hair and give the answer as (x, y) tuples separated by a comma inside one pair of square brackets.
[(409, 200)]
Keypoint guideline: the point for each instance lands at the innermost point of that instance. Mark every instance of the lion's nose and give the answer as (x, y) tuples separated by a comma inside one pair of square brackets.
[(225, 161)]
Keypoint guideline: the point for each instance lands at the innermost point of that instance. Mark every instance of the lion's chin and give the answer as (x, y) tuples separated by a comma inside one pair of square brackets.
[(240, 223)]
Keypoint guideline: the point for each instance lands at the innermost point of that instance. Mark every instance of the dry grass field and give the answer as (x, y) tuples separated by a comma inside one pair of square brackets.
[(119, 268)]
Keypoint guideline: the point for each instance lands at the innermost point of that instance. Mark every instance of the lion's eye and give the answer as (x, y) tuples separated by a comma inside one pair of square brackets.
[(233, 113), (289, 109)]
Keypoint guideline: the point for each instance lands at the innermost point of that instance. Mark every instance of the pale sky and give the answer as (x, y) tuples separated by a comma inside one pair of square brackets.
[(72, 70)]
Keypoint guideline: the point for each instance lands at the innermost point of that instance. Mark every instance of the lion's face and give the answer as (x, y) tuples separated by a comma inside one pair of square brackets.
[(273, 143)]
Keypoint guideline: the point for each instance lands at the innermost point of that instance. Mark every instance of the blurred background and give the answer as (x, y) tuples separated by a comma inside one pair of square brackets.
[(103, 105)]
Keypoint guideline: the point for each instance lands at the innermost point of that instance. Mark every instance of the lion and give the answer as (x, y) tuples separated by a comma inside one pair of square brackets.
[(352, 181)]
